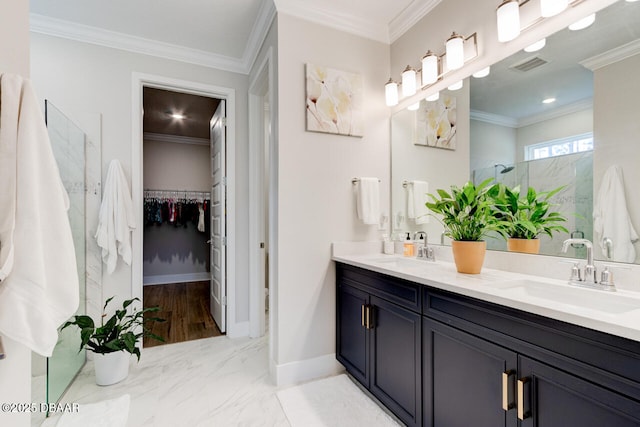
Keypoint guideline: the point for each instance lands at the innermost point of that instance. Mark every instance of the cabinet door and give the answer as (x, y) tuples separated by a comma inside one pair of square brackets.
[(553, 398), (396, 360), (464, 379), (352, 339)]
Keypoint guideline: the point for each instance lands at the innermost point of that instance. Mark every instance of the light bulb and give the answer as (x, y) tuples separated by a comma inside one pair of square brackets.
[(429, 68), (508, 14), (482, 73), (391, 93), (456, 86), (534, 47), (583, 23), (455, 51), (552, 7), (408, 81)]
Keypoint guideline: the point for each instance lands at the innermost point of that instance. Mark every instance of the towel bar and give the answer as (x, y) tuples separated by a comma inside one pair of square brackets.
[(354, 181), (405, 183)]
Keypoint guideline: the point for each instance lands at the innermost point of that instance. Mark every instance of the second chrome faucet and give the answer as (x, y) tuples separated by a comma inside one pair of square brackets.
[(589, 278)]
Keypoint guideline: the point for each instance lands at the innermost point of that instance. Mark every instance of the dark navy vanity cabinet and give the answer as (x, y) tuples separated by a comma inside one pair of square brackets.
[(440, 359)]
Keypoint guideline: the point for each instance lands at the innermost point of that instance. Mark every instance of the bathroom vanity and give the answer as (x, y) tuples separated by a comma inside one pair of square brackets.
[(439, 348)]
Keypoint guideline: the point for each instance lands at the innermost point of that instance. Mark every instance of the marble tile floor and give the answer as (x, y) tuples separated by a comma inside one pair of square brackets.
[(209, 382)]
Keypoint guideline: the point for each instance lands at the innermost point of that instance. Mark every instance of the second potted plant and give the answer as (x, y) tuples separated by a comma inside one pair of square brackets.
[(467, 216), (521, 218), (114, 341)]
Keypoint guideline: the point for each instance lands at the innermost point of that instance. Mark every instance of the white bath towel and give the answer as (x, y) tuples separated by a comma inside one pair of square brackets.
[(116, 218), (416, 199), (368, 200), (40, 290), (611, 218)]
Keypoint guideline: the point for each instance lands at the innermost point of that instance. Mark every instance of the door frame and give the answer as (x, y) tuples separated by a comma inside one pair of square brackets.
[(261, 85), (139, 81)]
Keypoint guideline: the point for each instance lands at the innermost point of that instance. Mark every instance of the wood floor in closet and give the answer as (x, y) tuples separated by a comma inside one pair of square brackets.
[(185, 306)]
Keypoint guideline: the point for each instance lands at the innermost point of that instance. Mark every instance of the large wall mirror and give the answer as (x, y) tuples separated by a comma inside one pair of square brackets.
[(586, 133)]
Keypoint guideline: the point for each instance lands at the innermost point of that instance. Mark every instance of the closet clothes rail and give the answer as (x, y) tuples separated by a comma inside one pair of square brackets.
[(177, 208)]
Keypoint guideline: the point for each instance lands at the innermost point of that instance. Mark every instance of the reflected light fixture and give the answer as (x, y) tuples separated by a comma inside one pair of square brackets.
[(548, 100), (482, 73), (429, 68), (508, 14), (550, 8), (413, 107), (534, 47), (433, 97), (454, 48), (408, 81), (391, 93), (456, 86), (631, 1), (583, 23), (178, 116)]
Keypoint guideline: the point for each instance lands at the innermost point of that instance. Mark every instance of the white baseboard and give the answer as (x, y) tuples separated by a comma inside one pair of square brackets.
[(305, 370), (175, 278), (237, 330)]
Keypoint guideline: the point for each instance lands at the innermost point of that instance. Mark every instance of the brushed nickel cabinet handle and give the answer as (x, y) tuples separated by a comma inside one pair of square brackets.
[(506, 404), (522, 414)]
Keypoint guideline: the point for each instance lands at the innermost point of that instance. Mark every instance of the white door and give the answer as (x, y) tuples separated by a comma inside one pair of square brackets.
[(218, 218)]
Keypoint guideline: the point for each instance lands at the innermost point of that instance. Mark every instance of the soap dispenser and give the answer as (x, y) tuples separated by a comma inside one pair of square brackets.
[(409, 247)]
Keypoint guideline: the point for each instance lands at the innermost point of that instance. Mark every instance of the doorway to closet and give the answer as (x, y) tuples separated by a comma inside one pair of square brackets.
[(183, 238)]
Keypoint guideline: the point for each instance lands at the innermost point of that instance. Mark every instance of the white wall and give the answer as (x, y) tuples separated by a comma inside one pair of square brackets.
[(617, 131), (174, 166), (491, 144), (315, 193), (81, 77), (15, 370)]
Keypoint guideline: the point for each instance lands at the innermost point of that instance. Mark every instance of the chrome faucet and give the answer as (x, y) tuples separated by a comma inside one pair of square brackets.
[(424, 251), (589, 277)]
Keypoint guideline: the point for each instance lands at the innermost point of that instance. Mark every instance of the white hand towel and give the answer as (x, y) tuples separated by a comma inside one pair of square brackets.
[(41, 289), (368, 200), (116, 218), (611, 218), (416, 199)]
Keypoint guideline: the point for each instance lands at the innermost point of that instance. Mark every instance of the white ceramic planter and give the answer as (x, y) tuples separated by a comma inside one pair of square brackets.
[(111, 368)]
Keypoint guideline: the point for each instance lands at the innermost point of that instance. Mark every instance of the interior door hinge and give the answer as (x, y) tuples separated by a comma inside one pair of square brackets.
[(224, 121), (224, 300), (224, 241), (224, 180)]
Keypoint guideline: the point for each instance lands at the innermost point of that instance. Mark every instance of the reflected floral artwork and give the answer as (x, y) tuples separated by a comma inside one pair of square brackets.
[(334, 101), (436, 123)]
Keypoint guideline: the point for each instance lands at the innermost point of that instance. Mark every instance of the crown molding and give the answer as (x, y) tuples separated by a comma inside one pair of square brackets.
[(177, 139), (581, 105), (406, 19), (87, 34), (612, 56), (495, 119), (266, 15), (347, 23)]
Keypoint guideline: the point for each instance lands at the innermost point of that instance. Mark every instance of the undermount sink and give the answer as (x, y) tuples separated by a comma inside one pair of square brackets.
[(400, 262), (612, 303)]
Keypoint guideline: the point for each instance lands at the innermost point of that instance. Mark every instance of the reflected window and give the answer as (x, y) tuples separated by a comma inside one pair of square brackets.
[(559, 147)]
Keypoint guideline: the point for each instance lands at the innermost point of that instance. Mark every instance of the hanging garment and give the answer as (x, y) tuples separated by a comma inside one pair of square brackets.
[(39, 282), (201, 217), (116, 220)]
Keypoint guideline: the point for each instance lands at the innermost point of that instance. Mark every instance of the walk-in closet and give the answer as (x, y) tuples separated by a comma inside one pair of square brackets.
[(177, 180)]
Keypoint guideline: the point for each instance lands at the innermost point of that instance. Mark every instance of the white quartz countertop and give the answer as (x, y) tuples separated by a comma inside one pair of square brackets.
[(616, 313)]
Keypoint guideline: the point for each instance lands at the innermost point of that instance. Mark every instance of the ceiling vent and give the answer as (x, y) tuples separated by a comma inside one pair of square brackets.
[(528, 64)]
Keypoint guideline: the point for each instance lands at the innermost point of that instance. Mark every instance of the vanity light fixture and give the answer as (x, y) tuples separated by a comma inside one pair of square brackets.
[(430, 69), (433, 97), (548, 100), (508, 20), (456, 86), (482, 73), (409, 81), (414, 107), (391, 93), (455, 51), (583, 23), (534, 47), (550, 8)]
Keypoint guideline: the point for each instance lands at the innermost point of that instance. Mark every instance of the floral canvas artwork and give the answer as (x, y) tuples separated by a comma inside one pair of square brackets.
[(436, 123), (334, 101)]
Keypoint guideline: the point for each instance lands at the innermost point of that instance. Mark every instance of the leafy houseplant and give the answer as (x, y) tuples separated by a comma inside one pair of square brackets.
[(525, 216), (467, 216), (116, 337)]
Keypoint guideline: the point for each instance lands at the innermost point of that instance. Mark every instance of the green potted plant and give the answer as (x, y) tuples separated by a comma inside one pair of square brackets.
[(114, 341), (521, 218), (467, 216)]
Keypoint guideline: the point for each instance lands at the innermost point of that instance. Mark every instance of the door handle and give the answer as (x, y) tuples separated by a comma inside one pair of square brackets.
[(363, 314), (522, 414), (369, 317), (507, 403)]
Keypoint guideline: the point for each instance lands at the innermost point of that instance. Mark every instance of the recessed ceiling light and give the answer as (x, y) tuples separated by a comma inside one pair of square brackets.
[(548, 100), (536, 46), (583, 23), (178, 116)]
